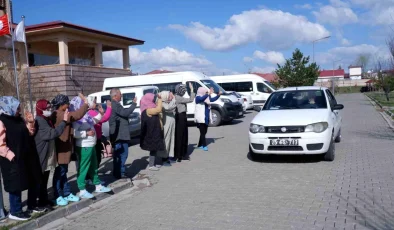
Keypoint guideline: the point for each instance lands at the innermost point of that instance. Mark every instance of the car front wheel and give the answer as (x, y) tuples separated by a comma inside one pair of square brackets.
[(253, 156), (330, 154), (339, 137)]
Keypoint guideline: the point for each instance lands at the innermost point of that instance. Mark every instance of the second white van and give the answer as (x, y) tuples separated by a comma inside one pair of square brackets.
[(128, 95), (225, 109), (247, 84)]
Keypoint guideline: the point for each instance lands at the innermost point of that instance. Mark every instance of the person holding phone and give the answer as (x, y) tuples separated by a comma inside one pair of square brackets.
[(85, 148)]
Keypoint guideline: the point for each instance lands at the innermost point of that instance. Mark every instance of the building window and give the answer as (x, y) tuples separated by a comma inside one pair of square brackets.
[(41, 59)]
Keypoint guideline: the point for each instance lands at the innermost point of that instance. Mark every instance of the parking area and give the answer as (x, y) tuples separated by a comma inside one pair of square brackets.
[(224, 189)]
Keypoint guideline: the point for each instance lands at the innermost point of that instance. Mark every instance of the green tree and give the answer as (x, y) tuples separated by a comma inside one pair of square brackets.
[(297, 72)]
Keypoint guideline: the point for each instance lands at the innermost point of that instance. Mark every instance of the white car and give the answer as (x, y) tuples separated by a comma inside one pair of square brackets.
[(245, 100), (248, 101), (299, 120)]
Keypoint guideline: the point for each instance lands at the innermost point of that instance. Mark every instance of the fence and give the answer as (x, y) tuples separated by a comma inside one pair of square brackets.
[(342, 82)]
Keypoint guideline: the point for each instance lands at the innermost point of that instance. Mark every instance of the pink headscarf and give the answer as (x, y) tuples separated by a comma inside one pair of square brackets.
[(147, 102), (202, 91)]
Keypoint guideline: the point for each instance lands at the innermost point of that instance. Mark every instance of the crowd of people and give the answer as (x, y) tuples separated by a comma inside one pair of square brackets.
[(33, 146)]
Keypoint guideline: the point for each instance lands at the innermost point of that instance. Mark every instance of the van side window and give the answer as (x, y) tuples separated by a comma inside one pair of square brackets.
[(196, 85), (128, 98), (167, 86), (105, 98), (149, 91), (238, 86), (261, 87)]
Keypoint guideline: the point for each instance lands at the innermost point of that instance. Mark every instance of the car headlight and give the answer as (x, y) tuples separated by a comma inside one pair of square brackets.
[(256, 128), (317, 127), (225, 100)]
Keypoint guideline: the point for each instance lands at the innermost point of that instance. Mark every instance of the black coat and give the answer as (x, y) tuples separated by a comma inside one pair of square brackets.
[(25, 169), (152, 136)]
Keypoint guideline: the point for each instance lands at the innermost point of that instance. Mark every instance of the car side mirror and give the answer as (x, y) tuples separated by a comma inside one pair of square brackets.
[(338, 107)]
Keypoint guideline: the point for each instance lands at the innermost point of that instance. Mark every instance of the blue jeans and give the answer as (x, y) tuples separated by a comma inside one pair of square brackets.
[(16, 200), (60, 181), (119, 158)]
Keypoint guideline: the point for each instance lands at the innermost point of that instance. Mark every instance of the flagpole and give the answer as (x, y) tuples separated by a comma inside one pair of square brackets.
[(13, 47), (28, 66)]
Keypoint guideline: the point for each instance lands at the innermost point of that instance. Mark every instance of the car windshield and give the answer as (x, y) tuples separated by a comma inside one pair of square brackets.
[(297, 99), (216, 87), (270, 85)]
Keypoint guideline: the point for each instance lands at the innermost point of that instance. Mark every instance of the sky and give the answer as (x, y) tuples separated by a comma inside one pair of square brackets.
[(229, 36)]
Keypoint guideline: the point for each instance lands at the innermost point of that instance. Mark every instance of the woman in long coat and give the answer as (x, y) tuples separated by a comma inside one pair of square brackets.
[(19, 161), (168, 103), (45, 136), (152, 138), (181, 130)]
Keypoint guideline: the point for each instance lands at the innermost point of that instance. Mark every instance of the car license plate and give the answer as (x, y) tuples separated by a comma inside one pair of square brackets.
[(284, 142), (240, 113)]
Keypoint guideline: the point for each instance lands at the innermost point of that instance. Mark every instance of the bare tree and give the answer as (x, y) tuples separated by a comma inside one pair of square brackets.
[(363, 60)]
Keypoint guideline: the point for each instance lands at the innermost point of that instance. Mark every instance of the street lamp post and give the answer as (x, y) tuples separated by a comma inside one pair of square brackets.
[(332, 80), (313, 43)]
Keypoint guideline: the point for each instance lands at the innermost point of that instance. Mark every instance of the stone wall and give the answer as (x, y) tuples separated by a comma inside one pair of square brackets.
[(48, 81)]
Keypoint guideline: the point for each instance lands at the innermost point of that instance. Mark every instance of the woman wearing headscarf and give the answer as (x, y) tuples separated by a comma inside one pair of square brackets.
[(152, 138), (64, 146), (168, 103), (85, 147), (99, 131), (44, 137), (19, 161), (181, 131), (202, 113)]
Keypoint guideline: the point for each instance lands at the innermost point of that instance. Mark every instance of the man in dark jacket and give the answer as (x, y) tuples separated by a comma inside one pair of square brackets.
[(119, 132)]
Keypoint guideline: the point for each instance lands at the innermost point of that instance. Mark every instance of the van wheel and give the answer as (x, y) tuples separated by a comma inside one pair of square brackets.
[(330, 154), (216, 118)]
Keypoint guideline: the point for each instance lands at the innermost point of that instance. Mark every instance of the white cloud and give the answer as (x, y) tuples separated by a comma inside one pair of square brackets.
[(167, 58), (349, 54), (248, 59), (345, 42), (339, 3), (267, 69), (378, 12), (336, 15), (305, 6), (270, 56), (272, 29)]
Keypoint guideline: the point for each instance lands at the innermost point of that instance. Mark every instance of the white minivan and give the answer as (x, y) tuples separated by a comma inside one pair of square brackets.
[(247, 84), (225, 109), (128, 95)]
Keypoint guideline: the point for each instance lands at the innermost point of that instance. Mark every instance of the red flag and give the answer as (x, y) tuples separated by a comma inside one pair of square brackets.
[(4, 27)]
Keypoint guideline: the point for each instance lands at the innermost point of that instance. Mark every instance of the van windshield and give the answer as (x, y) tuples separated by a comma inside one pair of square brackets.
[(270, 85), (216, 87)]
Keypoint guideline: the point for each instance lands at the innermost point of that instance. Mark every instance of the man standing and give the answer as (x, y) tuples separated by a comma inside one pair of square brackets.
[(119, 132)]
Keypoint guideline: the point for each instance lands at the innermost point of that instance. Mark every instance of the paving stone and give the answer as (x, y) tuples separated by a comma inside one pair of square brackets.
[(223, 189)]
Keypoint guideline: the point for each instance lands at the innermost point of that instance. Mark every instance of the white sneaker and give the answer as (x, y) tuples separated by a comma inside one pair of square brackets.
[(154, 168), (159, 166)]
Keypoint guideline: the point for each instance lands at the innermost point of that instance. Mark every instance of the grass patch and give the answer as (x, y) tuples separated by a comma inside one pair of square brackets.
[(381, 98), (350, 89)]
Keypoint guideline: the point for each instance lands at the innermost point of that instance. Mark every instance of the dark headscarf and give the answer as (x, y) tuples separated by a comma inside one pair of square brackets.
[(60, 100), (180, 89)]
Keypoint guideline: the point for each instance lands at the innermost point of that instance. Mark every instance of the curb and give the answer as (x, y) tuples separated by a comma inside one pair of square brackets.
[(385, 116), (74, 207)]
